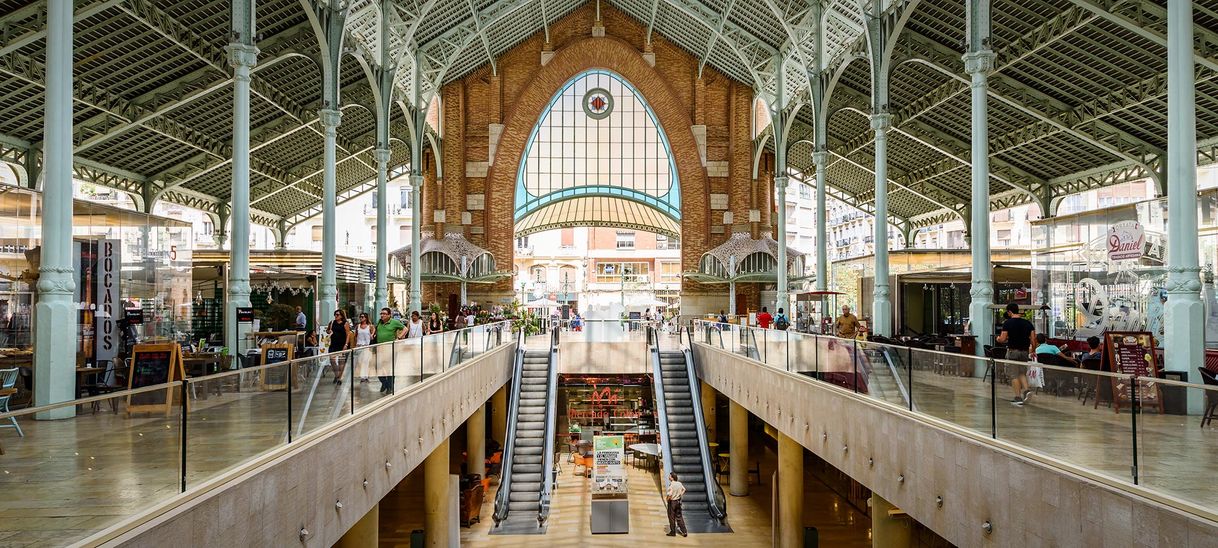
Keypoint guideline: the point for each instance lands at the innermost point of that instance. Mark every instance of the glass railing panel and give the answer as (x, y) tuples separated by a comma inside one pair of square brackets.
[(316, 399), (415, 359), (365, 386), (95, 465), (1078, 416), (879, 372), (245, 415), (947, 386), (1177, 439), (773, 344), (801, 353)]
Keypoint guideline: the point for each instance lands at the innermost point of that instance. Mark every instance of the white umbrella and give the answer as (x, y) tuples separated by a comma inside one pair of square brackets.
[(542, 303)]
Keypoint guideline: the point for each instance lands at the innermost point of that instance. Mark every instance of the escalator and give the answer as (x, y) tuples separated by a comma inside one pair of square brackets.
[(522, 504), (683, 440)]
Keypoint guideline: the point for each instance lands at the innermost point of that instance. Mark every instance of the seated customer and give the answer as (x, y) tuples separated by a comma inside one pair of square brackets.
[(1043, 347), (1093, 349)]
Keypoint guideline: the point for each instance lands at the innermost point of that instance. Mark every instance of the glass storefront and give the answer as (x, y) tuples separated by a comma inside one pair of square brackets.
[(128, 265), (1106, 269)]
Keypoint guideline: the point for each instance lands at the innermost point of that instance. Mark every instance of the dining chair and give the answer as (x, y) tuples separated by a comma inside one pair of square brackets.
[(1211, 398), (8, 387)]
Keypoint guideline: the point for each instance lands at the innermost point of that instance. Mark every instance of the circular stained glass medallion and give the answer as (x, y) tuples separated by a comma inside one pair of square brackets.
[(598, 103)]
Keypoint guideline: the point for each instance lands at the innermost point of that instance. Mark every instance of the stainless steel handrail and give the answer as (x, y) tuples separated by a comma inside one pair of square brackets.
[(505, 469), (547, 474), (714, 493), (661, 405)]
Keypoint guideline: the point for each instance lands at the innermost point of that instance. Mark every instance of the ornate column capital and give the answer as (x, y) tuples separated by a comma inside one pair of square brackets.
[(330, 119), (56, 281), (820, 157), (242, 56), (780, 182), (979, 61), (1183, 279), (881, 122), (383, 154)]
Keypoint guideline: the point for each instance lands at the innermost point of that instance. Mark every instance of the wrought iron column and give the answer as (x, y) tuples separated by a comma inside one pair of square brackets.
[(881, 306), (242, 55), (780, 184), (1184, 325), (821, 158), (978, 63), (55, 358), (327, 301), (382, 232)]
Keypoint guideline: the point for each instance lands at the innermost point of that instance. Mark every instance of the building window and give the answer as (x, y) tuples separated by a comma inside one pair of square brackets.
[(405, 197), (316, 233), (670, 271), (625, 239), (661, 241), (617, 272), (404, 233), (538, 273), (522, 242), (208, 228)]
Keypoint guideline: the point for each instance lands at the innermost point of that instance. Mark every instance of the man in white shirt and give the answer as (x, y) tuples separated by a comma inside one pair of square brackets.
[(301, 319), (672, 495)]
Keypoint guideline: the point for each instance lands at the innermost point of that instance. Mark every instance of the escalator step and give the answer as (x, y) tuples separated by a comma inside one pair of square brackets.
[(526, 486), (523, 497), (524, 507), (527, 478), (526, 468)]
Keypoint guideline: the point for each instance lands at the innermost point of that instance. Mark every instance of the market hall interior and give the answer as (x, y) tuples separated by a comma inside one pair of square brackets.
[(259, 285)]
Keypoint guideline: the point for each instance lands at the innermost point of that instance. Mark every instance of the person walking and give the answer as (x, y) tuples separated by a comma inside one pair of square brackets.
[(363, 337), (672, 497), (434, 325), (1018, 334), (416, 326), (340, 338), (781, 322), (764, 319), (388, 329), (847, 325)]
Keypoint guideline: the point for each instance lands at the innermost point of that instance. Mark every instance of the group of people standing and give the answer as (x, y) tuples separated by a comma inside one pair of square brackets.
[(345, 334)]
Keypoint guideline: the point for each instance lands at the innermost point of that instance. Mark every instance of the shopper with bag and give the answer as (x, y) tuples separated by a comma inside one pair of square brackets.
[(672, 496), (1018, 334)]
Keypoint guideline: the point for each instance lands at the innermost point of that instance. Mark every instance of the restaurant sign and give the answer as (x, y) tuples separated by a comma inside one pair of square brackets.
[(1126, 240)]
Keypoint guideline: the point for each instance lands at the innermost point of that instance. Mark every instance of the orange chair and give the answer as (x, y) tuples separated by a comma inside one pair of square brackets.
[(586, 462)]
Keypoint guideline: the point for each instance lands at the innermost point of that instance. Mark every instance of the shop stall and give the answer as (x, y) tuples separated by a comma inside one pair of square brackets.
[(1105, 270), (131, 273)]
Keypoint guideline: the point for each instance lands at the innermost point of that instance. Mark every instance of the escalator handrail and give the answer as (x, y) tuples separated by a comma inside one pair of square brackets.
[(661, 406), (715, 500), (547, 467), (505, 469)]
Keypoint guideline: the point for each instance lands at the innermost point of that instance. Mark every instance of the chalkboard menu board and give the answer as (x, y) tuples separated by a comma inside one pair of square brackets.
[(1133, 353), (275, 377), (153, 364)]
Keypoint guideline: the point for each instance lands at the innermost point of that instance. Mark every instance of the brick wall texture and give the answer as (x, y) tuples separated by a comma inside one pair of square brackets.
[(521, 89)]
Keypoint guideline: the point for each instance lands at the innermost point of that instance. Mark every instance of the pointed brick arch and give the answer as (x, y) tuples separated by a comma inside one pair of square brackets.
[(522, 114)]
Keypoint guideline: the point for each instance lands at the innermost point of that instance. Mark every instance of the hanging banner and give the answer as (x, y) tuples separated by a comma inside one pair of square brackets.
[(610, 459), (1126, 240), (109, 310)]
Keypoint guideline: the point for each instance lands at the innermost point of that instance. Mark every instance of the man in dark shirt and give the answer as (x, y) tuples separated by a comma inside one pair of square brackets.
[(1018, 334)]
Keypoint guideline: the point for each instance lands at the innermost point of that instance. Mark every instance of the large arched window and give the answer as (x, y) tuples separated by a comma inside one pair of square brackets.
[(598, 157)]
